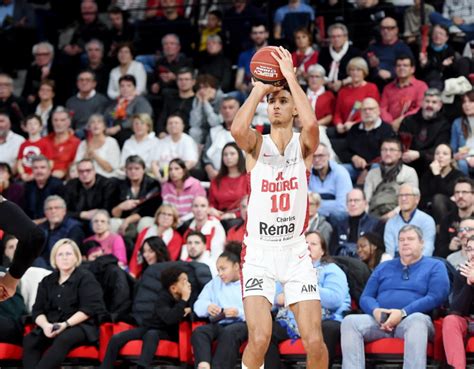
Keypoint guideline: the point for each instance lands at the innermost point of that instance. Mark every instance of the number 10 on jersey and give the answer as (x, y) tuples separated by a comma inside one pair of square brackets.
[(280, 202)]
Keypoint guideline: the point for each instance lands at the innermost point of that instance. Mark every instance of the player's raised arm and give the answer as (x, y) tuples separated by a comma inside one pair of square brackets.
[(246, 137), (306, 116)]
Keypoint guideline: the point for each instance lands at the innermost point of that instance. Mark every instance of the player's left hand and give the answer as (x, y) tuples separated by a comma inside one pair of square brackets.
[(285, 61)]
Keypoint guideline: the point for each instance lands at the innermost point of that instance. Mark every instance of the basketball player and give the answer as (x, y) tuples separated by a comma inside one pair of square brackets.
[(274, 247), (30, 243)]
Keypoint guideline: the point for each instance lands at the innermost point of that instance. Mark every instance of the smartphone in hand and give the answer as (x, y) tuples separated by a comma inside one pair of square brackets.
[(56, 326)]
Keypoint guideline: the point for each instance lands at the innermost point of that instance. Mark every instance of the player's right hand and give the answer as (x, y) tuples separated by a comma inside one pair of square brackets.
[(265, 88)]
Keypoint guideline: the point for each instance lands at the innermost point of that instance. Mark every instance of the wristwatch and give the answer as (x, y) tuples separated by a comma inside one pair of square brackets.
[(404, 313), (67, 324)]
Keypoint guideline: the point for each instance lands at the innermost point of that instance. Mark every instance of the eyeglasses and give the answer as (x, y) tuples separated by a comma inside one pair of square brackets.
[(53, 208), (315, 76), (405, 273), (43, 54), (354, 200), (465, 229), (85, 170)]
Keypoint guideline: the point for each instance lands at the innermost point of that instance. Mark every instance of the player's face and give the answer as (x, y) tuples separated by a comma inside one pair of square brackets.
[(281, 108), (227, 270)]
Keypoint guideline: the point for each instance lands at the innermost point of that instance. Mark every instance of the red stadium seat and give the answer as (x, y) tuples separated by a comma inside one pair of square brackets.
[(169, 350)]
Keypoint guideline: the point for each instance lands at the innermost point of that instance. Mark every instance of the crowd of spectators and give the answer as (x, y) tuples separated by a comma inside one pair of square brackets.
[(118, 140)]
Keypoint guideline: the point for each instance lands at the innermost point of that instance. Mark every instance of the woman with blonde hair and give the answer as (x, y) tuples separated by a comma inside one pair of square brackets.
[(67, 304), (166, 222), (99, 147), (350, 97), (143, 141)]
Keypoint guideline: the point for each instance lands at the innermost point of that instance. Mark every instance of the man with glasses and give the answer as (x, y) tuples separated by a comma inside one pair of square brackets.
[(465, 231), (88, 193), (382, 183), (447, 240), (422, 132), (86, 102), (57, 226), (396, 301), (42, 68), (408, 199), (353, 224), (382, 54), (331, 181)]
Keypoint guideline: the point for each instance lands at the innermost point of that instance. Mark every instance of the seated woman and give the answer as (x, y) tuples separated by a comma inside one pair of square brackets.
[(176, 144), (349, 98), (120, 113), (67, 304), (143, 141), (166, 221), (153, 251), (335, 300), (181, 189), (230, 184), (102, 149), (221, 302), (111, 243), (322, 100), (316, 221), (437, 184), (462, 135), (305, 54), (171, 308), (371, 250)]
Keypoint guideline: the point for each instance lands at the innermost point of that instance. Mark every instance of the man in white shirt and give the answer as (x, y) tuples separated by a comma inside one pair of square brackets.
[(9, 142), (196, 248)]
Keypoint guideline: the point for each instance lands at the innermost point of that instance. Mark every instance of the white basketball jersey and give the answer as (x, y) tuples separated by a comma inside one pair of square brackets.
[(278, 202)]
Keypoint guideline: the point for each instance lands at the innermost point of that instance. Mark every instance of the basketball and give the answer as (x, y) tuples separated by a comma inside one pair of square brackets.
[(265, 68)]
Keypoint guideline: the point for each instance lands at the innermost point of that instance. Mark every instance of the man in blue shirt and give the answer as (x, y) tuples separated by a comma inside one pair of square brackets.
[(331, 181), (396, 300), (294, 6), (408, 199)]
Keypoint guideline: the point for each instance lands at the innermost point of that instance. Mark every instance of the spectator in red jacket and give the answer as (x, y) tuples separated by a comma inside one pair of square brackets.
[(166, 221), (321, 100), (64, 143), (230, 184), (349, 99), (305, 55)]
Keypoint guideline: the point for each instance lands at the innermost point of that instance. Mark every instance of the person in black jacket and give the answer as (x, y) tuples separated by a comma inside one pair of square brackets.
[(88, 193), (139, 195), (171, 307), (67, 303), (422, 132), (115, 282), (11, 312), (456, 324)]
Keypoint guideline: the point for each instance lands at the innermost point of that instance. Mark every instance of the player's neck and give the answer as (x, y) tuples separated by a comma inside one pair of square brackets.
[(281, 136)]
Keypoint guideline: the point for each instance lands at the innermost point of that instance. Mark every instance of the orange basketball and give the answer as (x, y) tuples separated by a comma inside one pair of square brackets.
[(265, 68)]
